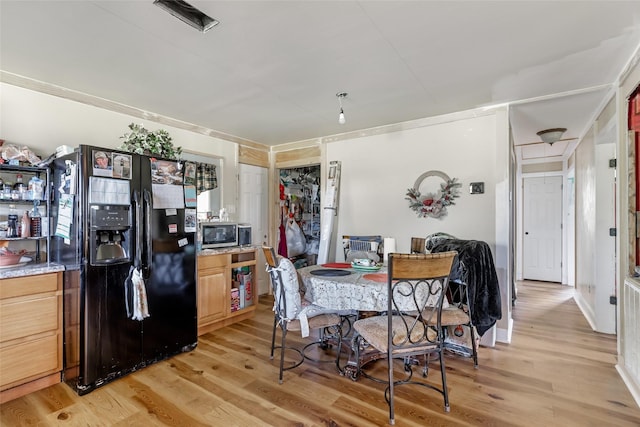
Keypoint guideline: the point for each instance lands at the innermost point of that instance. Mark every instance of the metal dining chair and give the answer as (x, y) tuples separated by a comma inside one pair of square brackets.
[(415, 281), (456, 322), (456, 317), (294, 314)]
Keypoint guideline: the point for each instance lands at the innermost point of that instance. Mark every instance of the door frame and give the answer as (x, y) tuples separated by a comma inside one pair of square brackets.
[(259, 236), (520, 221)]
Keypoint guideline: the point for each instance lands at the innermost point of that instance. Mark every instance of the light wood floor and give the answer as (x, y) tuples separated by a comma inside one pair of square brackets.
[(556, 372)]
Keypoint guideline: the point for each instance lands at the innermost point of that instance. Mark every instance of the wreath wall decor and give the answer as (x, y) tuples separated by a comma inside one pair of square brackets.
[(434, 204)]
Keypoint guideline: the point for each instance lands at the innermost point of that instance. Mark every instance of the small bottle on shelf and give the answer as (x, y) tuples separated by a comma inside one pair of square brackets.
[(6, 190), (19, 188), (25, 230), (19, 184), (12, 222), (36, 220)]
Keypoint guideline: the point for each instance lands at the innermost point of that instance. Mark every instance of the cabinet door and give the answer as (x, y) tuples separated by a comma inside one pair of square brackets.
[(213, 300)]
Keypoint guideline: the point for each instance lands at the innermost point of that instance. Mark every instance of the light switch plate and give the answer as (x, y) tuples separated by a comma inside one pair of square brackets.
[(476, 188)]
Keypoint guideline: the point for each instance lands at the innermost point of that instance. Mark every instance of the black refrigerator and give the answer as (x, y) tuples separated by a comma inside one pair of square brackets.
[(122, 220)]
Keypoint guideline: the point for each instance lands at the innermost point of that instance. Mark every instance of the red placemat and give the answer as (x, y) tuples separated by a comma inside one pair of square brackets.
[(337, 265), (376, 277)]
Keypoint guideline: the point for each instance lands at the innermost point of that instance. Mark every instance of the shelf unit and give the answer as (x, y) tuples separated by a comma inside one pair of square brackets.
[(8, 173), (215, 286)]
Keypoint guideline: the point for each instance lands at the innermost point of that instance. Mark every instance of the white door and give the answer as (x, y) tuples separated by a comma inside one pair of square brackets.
[(254, 210), (542, 220)]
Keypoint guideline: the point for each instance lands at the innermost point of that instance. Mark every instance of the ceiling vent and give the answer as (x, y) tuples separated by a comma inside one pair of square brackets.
[(187, 13)]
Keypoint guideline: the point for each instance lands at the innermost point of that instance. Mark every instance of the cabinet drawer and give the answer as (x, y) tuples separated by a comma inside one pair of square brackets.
[(212, 261), (28, 317), (30, 359), (28, 285)]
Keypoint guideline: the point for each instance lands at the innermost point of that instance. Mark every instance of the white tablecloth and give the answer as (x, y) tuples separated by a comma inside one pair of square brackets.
[(352, 292)]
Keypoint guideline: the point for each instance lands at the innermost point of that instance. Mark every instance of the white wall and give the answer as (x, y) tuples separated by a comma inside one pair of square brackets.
[(378, 170), (43, 122), (605, 259), (595, 274), (628, 306), (586, 227)]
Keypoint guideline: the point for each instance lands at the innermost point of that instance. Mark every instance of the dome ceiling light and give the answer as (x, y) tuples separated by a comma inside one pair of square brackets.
[(550, 136)]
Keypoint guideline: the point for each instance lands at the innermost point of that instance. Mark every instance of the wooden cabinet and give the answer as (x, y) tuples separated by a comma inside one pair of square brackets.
[(215, 283), (30, 333), (212, 288)]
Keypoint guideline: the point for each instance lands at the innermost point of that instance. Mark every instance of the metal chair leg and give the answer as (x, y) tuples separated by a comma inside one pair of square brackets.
[(282, 348), (474, 350), (392, 419), (443, 374), (273, 336), (339, 346)]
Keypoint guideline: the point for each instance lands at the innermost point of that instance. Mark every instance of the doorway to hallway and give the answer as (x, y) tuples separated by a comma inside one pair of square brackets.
[(542, 227)]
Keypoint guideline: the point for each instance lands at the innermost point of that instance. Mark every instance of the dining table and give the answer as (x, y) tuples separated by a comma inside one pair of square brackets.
[(360, 291), (342, 287), (339, 286), (350, 291)]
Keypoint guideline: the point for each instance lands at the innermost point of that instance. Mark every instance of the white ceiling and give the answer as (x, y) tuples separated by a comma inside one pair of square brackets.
[(270, 71)]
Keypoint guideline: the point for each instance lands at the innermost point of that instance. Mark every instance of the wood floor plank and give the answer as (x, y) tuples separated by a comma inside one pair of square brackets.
[(555, 372)]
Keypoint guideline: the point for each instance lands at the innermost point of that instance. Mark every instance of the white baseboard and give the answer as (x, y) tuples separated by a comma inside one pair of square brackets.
[(585, 309), (504, 335), (629, 381)]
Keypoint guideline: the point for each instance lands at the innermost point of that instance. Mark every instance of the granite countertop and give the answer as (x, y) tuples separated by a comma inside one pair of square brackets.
[(231, 249), (30, 269)]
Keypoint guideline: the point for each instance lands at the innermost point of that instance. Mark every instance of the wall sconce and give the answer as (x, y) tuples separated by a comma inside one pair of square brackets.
[(550, 136), (341, 96)]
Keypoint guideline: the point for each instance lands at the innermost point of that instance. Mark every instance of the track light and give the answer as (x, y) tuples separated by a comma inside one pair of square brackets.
[(341, 96)]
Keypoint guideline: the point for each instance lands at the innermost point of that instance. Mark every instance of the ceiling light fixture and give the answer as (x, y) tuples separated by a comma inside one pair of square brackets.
[(188, 14), (341, 96), (550, 136)]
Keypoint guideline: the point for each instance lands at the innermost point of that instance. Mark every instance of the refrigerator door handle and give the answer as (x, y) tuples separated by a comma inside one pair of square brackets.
[(137, 208), (148, 211)]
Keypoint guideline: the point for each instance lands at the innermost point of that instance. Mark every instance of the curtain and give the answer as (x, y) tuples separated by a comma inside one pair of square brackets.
[(206, 178)]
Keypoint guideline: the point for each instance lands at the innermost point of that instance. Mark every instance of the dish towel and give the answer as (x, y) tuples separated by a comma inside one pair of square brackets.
[(140, 306)]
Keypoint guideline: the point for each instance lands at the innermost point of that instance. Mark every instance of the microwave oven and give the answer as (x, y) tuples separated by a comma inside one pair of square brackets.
[(218, 234)]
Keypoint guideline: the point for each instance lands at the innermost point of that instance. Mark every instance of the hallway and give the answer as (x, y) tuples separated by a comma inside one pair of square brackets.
[(569, 367)]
